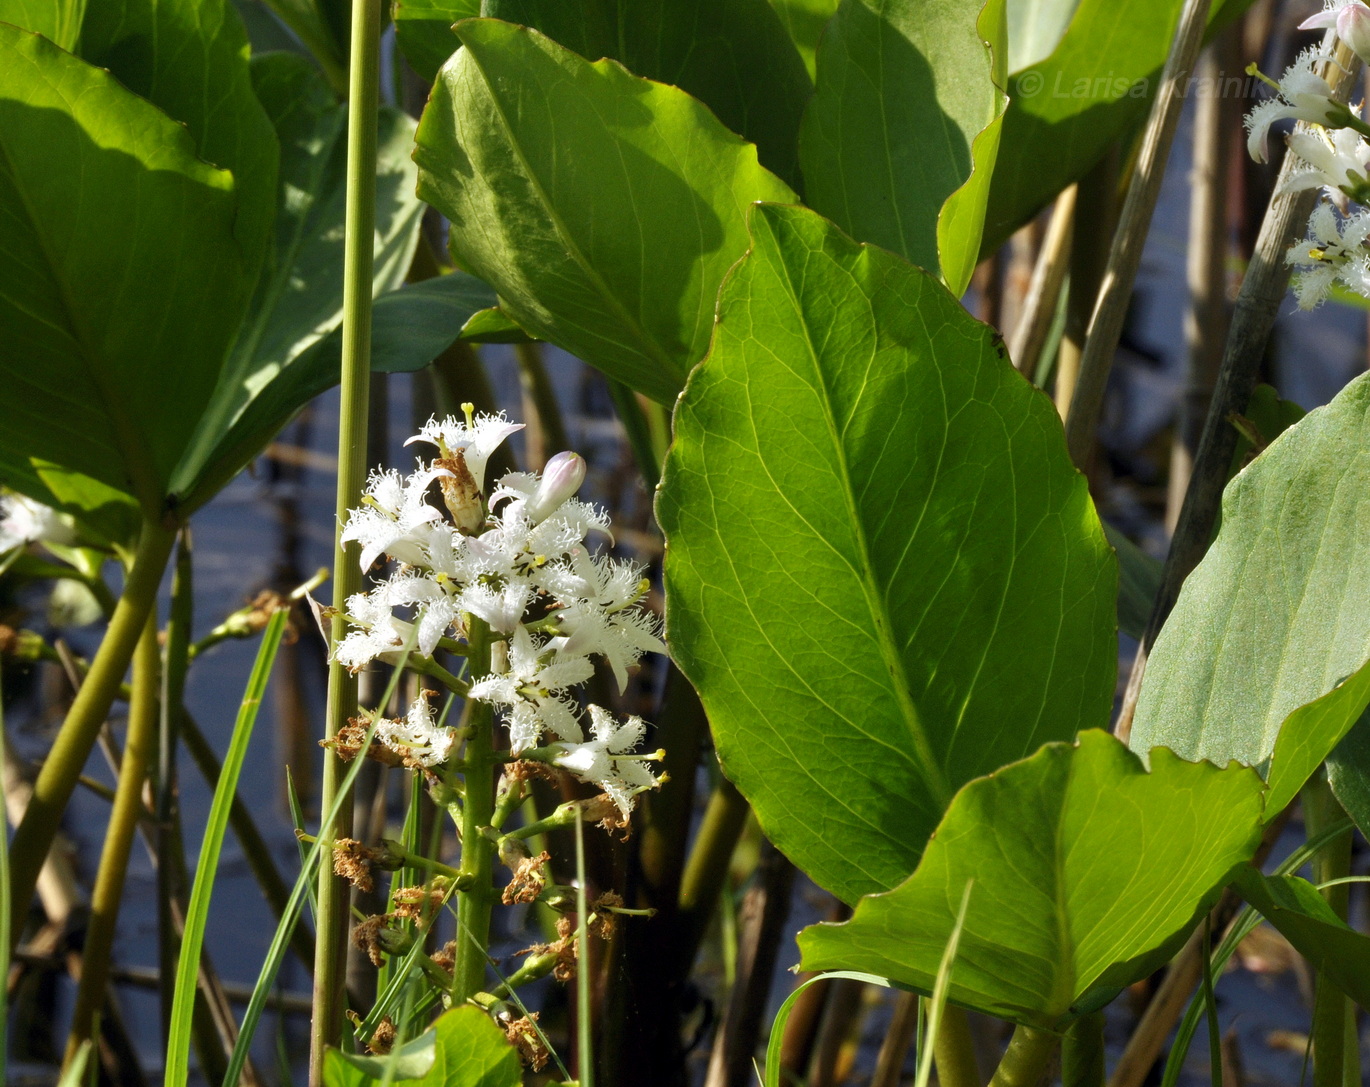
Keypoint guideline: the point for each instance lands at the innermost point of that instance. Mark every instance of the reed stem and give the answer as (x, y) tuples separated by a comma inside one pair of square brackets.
[(123, 824), (358, 258), (74, 742)]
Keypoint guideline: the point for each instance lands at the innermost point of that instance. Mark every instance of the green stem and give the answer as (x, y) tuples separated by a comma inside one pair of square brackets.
[(123, 823), (88, 710), (1330, 1006), (1082, 1052), (954, 1050), (705, 872), (1025, 1064), (475, 903), (169, 887), (358, 259)]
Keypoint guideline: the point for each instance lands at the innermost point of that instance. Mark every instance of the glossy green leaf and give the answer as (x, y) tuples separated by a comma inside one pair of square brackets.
[(1035, 29), (1277, 615), (900, 139), (1304, 918), (1089, 872), (423, 29), (493, 326), (805, 21), (190, 57), (604, 209), (464, 1049), (57, 20), (412, 326), (880, 559), (735, 56), (1066, 110), (273, 371), (116, 312)]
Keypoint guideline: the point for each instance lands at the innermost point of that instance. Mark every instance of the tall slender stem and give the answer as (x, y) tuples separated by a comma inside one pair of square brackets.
[(363, 85), (170, 889), (1106, 326), (1330, 1006), (476, 902), (88, 710), (1263, 289), (123, 823)]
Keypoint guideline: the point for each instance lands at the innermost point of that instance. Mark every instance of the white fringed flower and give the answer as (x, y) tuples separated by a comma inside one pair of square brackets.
[(1303, 95), (608, 761), (1334, 252), (1337, 161), (532, 688), (395, 518)]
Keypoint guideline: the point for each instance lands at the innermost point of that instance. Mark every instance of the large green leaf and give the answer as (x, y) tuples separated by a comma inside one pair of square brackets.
[(884, 576), (805, 21), (1277, 615), (1066, 110), (900, 139), (272, 371), (57, 20), (190, 57), (414, 325), (1088, 872), (1035, 29), (735, 56), (463, 1049), (1304, 918), (424, 30), (604, 209), (121, 281)]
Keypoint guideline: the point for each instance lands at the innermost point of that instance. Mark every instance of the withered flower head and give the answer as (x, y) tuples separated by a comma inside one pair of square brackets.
[(383, 1041), (523, 1037), (529, 879), (353, 862)]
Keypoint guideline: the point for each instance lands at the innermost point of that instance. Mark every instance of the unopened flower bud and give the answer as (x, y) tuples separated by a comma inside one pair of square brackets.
[(1352, 21), (561, 479)]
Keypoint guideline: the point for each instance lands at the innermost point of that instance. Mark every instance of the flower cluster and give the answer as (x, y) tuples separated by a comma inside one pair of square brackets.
[(510, 567), (1330, 154)]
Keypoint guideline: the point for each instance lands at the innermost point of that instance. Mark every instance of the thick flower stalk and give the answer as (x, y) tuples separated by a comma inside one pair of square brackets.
[(1331, 155)]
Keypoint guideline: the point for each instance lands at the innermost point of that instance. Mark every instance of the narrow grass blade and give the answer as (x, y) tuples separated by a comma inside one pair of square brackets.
[(75, 1074), (939, 991), (303, 885), (197, 914), (773, 1077)]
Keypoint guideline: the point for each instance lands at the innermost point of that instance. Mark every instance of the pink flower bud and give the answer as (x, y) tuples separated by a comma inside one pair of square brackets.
[(560, 480), (1353, 26)]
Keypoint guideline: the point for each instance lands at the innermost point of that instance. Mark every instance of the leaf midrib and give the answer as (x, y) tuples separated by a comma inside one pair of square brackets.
[(925, 760)]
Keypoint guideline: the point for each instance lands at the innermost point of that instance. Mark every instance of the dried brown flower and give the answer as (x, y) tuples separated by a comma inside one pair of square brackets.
[(417, 903), (353, 862), (367, 937), (383, 1041), (527, 1041), (529, 880)]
